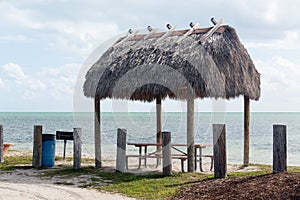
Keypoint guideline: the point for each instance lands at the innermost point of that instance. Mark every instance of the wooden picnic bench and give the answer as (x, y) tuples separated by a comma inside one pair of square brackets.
[(157, 155)]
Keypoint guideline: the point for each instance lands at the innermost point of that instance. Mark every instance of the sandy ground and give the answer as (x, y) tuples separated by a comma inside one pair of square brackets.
[(32, 191), (26, 183)]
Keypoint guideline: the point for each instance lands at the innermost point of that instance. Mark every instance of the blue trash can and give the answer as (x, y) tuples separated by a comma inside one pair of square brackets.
[(48, 150)]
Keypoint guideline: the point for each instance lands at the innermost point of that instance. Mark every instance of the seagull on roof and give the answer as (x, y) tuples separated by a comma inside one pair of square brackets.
[(169, 26), (150, 28)]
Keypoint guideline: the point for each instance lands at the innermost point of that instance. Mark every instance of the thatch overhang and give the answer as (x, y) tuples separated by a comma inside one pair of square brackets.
[(147, 67)]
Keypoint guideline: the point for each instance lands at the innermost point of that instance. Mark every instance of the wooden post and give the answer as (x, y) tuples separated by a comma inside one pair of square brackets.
[(77, 148), (98, 162), (167, 159), (219, 139), (158, 123), (279, 149), (246, 130), (190, 134), (37, 146), (1, 145), (121, 150), (65, 147)]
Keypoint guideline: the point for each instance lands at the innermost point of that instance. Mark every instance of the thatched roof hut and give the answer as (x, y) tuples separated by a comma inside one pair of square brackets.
[(175, 64), (219, 67)]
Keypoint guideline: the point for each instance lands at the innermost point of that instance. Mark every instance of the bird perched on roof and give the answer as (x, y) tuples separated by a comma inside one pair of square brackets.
[(130, 31), (169, 26), (150, 28), (213, 21), (192, 24)]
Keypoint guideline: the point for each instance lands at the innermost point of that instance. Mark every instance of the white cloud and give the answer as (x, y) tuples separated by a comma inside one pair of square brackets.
[(290, 41), (80, 37), (17, 80), (60, 80), (16, 38), (1, 83), (271, 13), (280, 75), (20, 17), (14, 71), (49, 82)]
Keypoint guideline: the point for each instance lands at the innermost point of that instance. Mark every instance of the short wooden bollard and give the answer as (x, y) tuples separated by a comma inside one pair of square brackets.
[(77, 148), (279, 149), (220, 160), (1, 145), (37, 146), (121, 150), (166, 151)]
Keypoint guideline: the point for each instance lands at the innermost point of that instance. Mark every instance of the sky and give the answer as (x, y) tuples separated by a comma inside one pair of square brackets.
[(45, 43)]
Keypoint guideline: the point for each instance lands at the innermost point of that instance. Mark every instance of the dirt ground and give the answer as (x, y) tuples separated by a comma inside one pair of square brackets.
[(270, 186)]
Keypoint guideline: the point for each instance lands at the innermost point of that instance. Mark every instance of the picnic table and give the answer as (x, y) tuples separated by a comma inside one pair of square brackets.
[(144, 155)]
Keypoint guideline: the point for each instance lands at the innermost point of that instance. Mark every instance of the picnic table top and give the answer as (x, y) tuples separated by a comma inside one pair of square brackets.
[(158, 144)]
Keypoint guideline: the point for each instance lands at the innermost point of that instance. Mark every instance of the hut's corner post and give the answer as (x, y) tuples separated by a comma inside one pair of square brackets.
[(219, 141), (279, 149), (1, 144), (167, 159), (190, 133), (158, 123), (246, 131), (37, 146), (121, 150), (77, 148), (98, 162)]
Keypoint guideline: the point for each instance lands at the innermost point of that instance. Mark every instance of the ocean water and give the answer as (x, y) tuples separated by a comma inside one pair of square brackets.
[(141, 127)]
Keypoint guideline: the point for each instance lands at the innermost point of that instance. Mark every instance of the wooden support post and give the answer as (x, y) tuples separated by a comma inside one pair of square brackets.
[(1, 145), (65, 147), (37, 146), (77, 148), (190, 134), (219, 140), (246, 131), (167, 159), (158, 123), (98, 162), (279, 149), (121, 150)]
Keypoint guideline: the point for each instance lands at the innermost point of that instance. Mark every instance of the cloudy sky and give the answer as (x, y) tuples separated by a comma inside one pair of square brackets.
[(44, 44)]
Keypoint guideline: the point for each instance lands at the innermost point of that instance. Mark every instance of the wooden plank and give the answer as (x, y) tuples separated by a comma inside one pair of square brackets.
[(220, 29), (167, 157), (211, 31), (246, 131), (98, 162), (190, 134), (64, 135), (77, 148), (279, 149), (37, 146), (158, 123), (121, 150), (219, 139), (1, 144)]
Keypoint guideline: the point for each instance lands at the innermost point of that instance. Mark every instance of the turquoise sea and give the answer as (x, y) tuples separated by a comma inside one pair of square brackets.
[(141, 127)]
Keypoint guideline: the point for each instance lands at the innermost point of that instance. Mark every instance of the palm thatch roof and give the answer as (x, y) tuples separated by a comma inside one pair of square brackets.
[(145, 67)]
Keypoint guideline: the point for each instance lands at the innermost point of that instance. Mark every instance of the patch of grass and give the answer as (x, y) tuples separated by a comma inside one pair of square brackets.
[(70, 159), (293, 169), (69, 172), (153, 186), (13, 162)]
